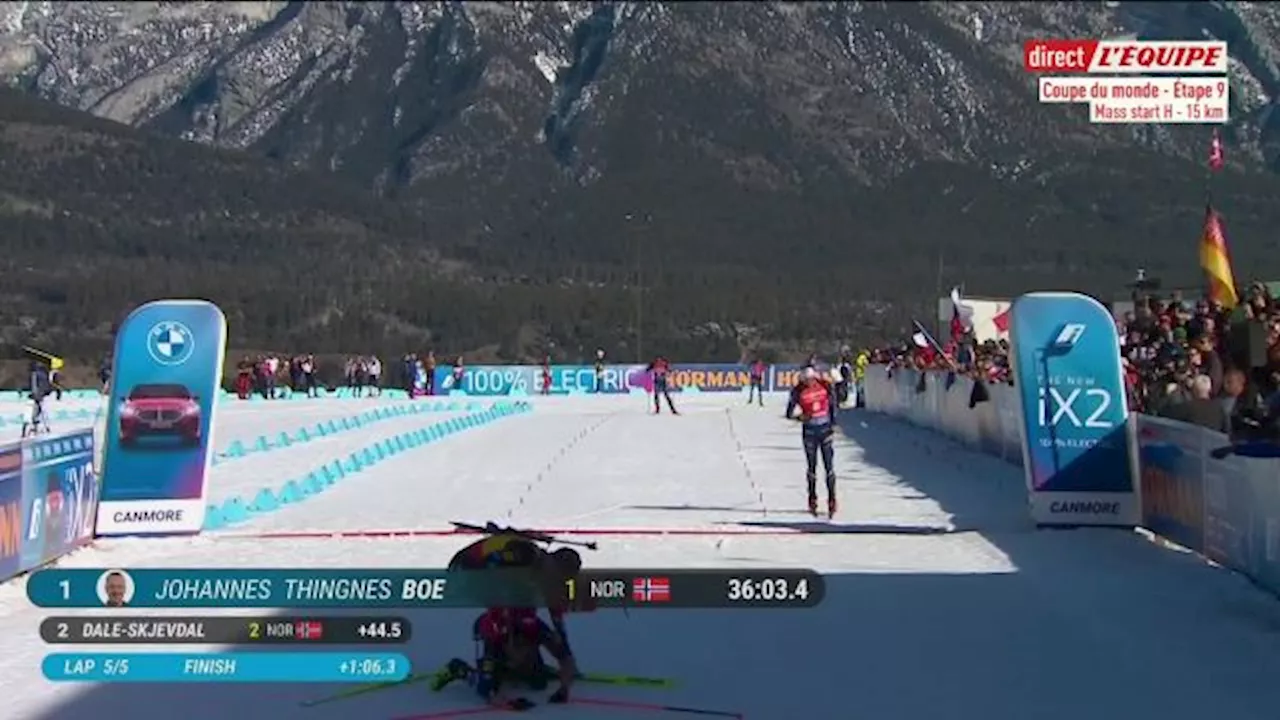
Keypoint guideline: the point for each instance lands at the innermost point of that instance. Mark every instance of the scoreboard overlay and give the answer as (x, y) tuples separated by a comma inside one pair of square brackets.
[(225, 630)]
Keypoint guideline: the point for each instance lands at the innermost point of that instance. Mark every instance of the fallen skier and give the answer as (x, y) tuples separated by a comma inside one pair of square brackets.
[(512, 641)]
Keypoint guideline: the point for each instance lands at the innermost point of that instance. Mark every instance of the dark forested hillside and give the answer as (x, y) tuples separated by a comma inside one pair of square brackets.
[(508, 179), (98, 217)]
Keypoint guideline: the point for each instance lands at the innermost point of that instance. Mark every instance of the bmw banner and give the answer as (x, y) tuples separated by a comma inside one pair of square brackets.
[(159, 425), (1077, 443)]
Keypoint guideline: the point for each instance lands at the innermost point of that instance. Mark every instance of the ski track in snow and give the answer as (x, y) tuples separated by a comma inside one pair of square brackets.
[(941, 599)]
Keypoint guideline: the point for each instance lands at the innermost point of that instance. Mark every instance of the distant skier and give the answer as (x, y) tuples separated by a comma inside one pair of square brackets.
[(104, 374), (429, 366), (55, 382), (546, 375), (40, 382), (599, 368), (860, 377), (658, 370), (758, 369), (815, 398), (844, 383), (373, 375), (408, 374), (244, 378), (459, 372), (40, 388)]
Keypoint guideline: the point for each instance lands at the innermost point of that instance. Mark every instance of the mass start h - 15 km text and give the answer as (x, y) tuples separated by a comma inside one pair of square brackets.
[(405, 588)]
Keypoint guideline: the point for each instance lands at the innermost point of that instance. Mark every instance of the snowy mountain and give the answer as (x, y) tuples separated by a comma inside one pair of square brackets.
[(756, 165), (398, 93)]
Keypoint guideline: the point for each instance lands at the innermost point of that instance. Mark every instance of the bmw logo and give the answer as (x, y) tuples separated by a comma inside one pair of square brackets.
[(170, 343)]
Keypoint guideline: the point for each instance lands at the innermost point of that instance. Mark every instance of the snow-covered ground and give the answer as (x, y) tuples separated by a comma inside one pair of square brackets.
[(942, 601)]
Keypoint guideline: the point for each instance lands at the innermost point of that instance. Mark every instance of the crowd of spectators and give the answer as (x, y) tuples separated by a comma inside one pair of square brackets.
[(1200, 363), (264, 375), (268, 375), (987, 361), (1191, 360)]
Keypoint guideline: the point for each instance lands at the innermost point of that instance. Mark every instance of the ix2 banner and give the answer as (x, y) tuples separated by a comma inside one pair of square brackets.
[(1077, 445), (159, 433)]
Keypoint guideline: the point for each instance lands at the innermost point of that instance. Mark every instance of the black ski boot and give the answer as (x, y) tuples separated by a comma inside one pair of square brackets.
[(539, 678), (456, 669)]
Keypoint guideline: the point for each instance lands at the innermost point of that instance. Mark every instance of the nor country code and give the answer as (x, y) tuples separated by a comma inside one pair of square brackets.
[(641, 589)]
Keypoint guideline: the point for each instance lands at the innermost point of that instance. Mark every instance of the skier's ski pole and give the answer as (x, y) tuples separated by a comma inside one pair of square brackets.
[(654, 707), (590, 678), (365, 689), (628, 680), (459, 712)]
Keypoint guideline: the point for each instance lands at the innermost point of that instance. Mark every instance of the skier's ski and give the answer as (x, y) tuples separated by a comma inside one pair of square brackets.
[(457, 713), (592, 678), (586, 702), (366, 689)]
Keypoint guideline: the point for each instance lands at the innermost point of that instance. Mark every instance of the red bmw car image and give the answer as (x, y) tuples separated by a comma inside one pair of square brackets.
[(160, 410)]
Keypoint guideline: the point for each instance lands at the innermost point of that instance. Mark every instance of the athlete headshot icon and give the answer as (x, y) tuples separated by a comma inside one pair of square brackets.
[(170, 343), (115, 588)]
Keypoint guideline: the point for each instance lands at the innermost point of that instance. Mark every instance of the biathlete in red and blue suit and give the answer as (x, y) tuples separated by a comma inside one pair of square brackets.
[(658, 370), (756, 390), (815, 398)]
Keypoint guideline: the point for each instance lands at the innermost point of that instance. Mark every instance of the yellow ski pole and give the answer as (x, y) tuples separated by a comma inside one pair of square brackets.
[(365, 689), (591, 678), (628, 680)]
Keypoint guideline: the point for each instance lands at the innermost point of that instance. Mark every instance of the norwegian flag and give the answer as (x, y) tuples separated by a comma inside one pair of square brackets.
[(308, 629), (651, 589), (961, 316), (1001, 321), (1217, 156)]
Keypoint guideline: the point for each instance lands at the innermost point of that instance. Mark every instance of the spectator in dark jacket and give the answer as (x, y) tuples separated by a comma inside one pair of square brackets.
[(1201, 409), (1210, 363), (40, 384), (1244, 404), (104, 374)]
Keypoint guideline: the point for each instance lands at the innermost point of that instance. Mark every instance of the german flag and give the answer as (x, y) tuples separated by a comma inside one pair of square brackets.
[(1215, 259)]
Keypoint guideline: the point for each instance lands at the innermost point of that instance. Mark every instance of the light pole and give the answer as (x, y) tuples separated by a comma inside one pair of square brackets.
[(639, 285)]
